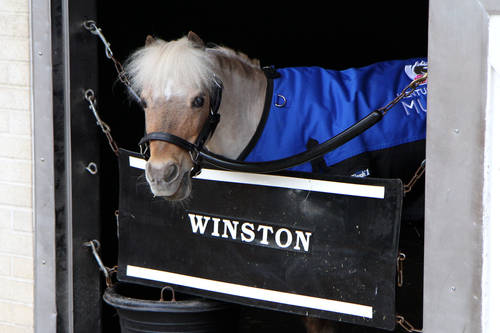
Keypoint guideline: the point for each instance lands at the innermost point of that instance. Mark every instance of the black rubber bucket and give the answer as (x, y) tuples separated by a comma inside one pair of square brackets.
[(140, 310)]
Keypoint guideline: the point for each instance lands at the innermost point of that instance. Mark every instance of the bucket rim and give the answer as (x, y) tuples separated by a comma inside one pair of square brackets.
[(121, 302)]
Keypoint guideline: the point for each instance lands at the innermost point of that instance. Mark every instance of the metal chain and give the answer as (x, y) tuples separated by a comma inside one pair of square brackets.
[(405, 92), (407, 326), (420, 171), (90, 97), (91, 26), (95, 246)]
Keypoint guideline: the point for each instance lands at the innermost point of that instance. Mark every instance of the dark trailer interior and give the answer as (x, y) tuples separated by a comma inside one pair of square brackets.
[(335, 35)]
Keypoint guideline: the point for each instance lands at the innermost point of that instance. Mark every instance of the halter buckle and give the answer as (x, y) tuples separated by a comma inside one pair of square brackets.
[(143, 150), (195, 155)]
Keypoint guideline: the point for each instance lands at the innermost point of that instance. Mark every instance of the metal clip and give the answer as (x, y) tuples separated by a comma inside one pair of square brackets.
[(91, 26), (144, 150), (95, 246), (401, 258), (195, 155), (117, 217), (91, 99), (420, 80)]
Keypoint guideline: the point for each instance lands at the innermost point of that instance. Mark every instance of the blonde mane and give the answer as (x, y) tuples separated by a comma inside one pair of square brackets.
[(162, 68)]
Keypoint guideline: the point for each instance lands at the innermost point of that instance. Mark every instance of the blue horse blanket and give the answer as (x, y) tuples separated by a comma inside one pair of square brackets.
[(315, 103)]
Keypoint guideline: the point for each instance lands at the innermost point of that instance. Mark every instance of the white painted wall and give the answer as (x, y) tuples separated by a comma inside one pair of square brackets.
[(16, 222)]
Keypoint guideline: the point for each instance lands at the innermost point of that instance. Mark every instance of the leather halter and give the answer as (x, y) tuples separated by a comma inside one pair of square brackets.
[(207, 130)]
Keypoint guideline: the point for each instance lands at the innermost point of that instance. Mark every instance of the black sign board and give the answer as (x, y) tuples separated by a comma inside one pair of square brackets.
[(311, 244)]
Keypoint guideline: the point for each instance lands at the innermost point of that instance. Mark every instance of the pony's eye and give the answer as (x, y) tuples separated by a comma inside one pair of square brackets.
[(198, 102)]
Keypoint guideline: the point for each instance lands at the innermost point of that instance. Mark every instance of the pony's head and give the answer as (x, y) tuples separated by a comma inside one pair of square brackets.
[(175, 80)]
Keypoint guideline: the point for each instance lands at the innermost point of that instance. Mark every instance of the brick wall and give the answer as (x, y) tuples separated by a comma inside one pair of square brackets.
[(16, 223)]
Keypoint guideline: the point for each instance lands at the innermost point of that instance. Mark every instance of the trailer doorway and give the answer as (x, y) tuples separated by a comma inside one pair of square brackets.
[(279, 34)]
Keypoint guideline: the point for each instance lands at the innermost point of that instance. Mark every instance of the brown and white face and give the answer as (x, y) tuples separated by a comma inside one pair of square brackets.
[(174, 80), (184, 115)]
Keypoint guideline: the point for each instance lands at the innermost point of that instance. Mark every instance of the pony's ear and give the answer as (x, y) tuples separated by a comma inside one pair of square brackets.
[(195, 39), (149, 40)]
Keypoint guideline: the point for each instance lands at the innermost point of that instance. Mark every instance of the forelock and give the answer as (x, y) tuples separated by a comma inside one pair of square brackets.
[(175, 67)]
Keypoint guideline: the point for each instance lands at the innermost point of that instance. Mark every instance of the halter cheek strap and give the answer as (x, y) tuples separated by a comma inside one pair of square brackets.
[(207, 130)]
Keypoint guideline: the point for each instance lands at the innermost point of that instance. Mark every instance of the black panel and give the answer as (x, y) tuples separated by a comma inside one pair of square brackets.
[(63, 282), (349, 255), (77, 192), (85, 187)]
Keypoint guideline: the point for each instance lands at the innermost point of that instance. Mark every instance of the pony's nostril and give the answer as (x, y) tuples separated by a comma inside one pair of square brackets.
[(158, 173), (171, 173)]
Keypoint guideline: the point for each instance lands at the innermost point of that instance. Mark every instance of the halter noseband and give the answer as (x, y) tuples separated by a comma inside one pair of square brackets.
[(207, 130)]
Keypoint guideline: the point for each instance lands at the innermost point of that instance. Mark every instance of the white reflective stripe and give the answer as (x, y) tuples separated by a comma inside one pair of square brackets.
[(252, 292), (368, 191), (138, 163)]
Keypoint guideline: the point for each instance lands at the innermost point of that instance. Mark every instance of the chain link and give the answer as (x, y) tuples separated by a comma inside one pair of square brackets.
[(420, 171), (90, 97), (95, 246), (406, 325), (91, 26), (407, 91)]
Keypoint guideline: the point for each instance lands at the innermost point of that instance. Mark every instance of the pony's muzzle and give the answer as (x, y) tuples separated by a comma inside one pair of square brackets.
[(162, 173)]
